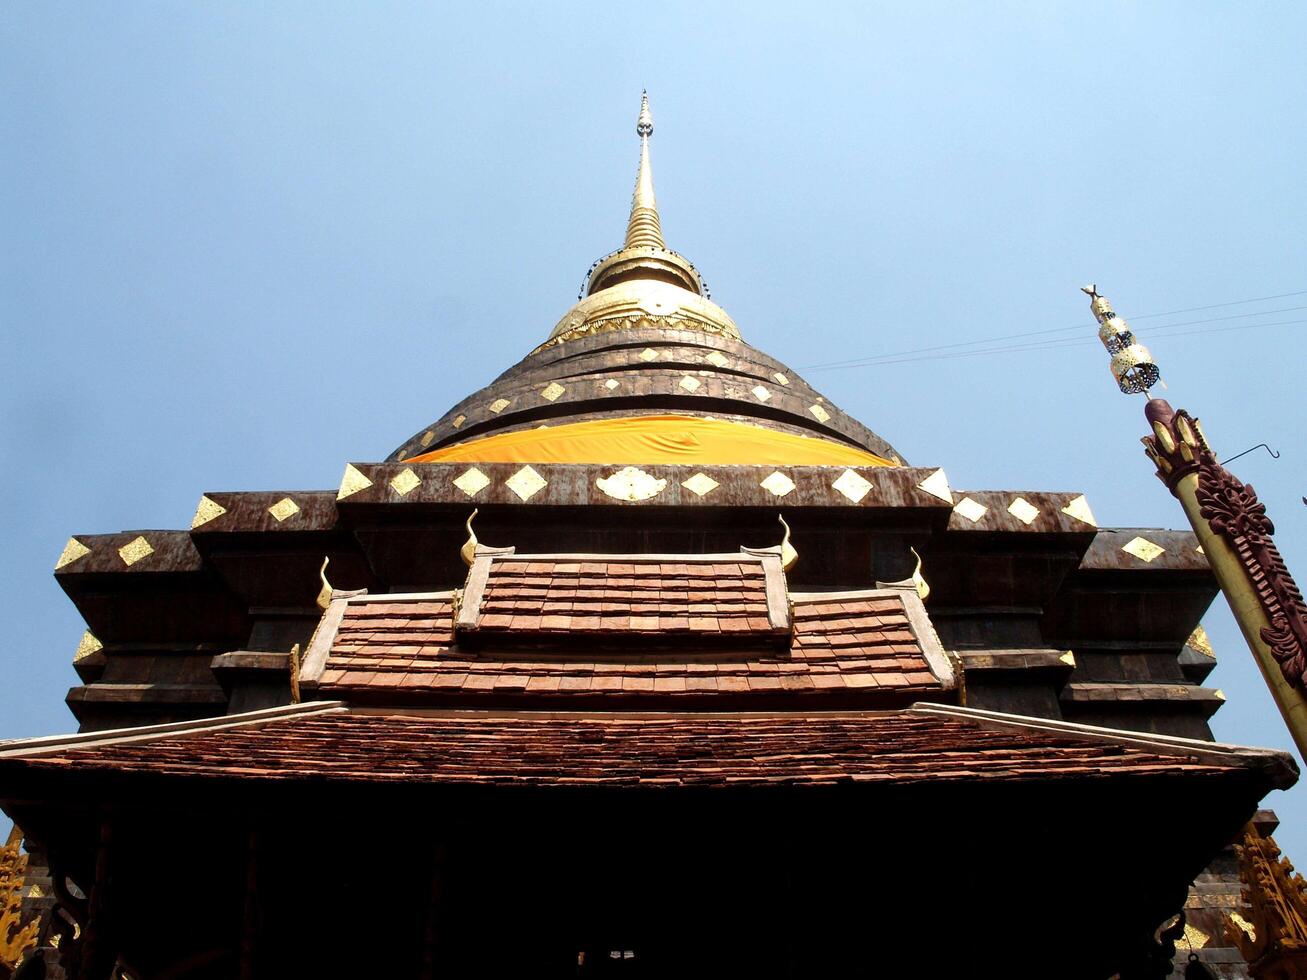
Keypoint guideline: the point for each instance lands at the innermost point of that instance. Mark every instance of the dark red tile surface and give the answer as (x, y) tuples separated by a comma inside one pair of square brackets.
[(638, 597), (848, 648), (616, 750)]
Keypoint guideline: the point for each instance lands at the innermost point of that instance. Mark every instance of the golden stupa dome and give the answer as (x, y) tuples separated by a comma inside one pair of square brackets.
[(646, 368)]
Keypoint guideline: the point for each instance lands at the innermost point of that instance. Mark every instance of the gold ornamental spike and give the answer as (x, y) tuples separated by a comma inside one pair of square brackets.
[(469, 550), (324, 594), (918, 580), (644, 229), (788, 555)]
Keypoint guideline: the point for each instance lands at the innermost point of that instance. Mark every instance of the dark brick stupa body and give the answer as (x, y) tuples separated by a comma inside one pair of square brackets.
[(635, 736)]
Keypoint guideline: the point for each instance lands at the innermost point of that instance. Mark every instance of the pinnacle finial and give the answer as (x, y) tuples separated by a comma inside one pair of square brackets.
[(644, 125), (644, 228), (1132, 363)]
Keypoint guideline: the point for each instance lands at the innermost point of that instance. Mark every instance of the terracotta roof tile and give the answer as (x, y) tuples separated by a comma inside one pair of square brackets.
[(864, 665), (659, 751)]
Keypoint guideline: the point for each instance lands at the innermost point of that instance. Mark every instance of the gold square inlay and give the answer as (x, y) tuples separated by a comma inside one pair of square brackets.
[(701, 484), (852, 485), (1143, 549), (284, 508), (648, 354), (1079, 510), (937, 486), (88, 645), (819, 413), (781, 379), (499, 404), (972, 510), (135, 550), (73, 550), (717, 359), (526, 483), (760, 393), (611, 385), (427, 438), (690, 383), (352, 482), (458, 421), (472, 482), (207, 510), (777, 484), (1023, 510), (404, 482), (552, 391)]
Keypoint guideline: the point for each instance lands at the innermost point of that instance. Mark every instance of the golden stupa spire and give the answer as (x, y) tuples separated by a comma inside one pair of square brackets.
[(644, 254), (644, 229)]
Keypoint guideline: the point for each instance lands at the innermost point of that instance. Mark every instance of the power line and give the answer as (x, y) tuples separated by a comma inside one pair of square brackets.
[(883, 358), (1063, 343)]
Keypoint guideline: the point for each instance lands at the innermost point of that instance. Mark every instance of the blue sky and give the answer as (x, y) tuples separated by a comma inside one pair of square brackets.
[(244, 243)]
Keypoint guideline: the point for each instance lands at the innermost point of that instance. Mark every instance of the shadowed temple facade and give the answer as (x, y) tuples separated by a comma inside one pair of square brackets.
[(645, 660)]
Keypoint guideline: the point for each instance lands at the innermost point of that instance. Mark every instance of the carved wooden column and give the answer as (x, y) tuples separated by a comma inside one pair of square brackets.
[(1235, 533)]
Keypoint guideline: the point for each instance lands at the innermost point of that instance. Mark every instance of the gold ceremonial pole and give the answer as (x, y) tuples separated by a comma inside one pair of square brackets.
[(1231, 524)]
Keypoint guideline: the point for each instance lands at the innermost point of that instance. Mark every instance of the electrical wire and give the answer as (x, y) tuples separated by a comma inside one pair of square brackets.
[(870, 360)]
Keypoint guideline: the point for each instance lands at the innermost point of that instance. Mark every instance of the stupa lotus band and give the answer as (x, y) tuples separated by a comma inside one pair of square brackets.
[(596, 710)]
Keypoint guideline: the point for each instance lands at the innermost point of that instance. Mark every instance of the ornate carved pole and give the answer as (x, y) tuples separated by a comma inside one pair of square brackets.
[(1231, 525)]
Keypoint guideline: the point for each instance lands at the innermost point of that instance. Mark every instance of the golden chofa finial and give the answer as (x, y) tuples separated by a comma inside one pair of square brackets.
[(469, 550), (1132, 364)]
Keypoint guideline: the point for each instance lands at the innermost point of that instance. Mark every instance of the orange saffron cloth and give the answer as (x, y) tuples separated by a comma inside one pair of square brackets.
[(654, 439)]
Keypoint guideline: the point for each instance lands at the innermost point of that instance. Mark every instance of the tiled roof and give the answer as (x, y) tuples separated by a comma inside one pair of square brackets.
[(653, 751), (687, 598), (850, 650)]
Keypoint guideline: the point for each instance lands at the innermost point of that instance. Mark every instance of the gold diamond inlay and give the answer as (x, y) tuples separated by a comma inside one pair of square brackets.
[(701, 484), (458, 421), (648, 354), (428, 438), (352, 482), (777, 484), (552, 391), (472, 482), (937, 486), (1198, 641), (1023, 510), (135, 550), (819, 413), (405, 482), (284, 508), (499, 404), (206, 511), (852, 485), (526, 483), (1078, 510), (73, 550), (1142, 548), (690, 383), (717, 359), (972, 510), (761, 393), (781, 379), (611, 385), (88, 645)]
